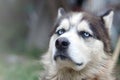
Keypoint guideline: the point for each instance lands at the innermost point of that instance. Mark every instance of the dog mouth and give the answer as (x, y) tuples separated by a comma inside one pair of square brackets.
[(63, 56)]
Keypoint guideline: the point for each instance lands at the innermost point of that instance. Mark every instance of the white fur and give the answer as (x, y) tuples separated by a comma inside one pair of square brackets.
[(64, 24), (75, 18), (76, 48), (83, 26)]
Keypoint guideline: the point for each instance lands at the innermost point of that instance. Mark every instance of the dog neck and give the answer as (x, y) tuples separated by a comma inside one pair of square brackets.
[(69, 74), (95, 72)]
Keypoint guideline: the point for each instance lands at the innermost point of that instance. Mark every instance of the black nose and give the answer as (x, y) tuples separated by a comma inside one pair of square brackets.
[(62, 43)]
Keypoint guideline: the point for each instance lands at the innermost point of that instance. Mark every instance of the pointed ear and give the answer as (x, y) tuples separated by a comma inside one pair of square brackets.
[(61, 12), (108, 19)]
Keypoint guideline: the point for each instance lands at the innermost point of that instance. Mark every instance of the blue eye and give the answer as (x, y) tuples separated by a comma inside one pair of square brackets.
[(60, 32), (85, 34)]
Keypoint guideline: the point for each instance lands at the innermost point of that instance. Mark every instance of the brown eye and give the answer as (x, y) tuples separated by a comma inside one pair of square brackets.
[(60, 31), (85, 34)]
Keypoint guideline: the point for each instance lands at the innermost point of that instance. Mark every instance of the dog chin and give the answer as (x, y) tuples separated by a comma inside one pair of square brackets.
[(67, 64)]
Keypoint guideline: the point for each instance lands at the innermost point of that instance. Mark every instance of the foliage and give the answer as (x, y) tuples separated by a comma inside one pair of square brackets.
[(20, 71)]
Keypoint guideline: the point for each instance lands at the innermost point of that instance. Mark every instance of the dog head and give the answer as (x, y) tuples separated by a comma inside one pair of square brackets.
[(80, 38)]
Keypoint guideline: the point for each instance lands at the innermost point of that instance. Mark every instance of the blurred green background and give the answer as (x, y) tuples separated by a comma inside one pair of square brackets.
[(25, 27)]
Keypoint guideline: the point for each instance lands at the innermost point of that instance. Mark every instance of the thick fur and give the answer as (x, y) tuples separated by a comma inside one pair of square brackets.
[(93, 52)]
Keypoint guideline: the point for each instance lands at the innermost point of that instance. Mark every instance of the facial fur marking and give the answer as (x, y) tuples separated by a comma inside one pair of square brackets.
[(99, 31), (64, 24), (76, 18), (83, 26)]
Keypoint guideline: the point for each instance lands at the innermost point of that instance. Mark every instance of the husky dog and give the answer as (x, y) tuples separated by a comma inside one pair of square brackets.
[(79, 47)]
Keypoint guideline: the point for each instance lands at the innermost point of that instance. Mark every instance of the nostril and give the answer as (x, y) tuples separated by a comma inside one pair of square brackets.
[(65, 43)]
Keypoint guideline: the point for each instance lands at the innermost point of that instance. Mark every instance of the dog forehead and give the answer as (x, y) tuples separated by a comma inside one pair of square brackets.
[(76, 18), (64, 23), (84, 26), (71, 19)]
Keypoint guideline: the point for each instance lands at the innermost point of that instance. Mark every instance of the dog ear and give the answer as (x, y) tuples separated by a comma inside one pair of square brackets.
[(61, 12), (108, 19)]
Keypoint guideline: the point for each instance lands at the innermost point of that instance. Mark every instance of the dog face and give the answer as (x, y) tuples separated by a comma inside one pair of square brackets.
[(79, 39)]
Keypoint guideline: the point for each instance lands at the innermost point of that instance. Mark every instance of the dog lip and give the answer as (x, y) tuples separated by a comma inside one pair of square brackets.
[(79, 64), (61, 56)]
